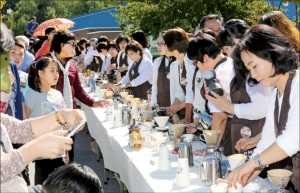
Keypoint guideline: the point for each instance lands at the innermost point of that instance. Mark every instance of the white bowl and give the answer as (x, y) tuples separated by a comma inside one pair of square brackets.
[(236, 160)]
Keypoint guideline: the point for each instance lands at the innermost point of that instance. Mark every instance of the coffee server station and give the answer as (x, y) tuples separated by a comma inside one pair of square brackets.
[(151, 152)]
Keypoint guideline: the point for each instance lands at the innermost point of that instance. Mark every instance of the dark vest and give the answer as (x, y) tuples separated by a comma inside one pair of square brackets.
[(182, 77), (280, 120), (141, 90), (123, 62), (163, 84), (111, 76), (238, 95)]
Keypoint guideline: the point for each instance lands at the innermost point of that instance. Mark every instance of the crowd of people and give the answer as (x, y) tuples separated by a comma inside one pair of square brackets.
[(256, 66)]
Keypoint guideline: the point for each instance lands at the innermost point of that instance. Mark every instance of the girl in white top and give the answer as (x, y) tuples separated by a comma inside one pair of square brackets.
[(41, 98), (273, 64)]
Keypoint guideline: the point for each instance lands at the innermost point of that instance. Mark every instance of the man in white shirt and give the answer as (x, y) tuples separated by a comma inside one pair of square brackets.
[(204, 51)]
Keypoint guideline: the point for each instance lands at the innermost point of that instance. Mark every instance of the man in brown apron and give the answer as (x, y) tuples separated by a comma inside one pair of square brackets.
[(141, 90)]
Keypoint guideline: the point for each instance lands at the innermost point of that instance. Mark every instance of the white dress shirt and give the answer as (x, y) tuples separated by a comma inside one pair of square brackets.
[(176, 91), (224, 73), (260, 96), (148, 54), (106, 62), (145, 74), (288, 141), (156, 65), (189, 97)]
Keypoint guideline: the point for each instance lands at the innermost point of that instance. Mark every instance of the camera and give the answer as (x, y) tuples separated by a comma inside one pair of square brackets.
[(212, 83)]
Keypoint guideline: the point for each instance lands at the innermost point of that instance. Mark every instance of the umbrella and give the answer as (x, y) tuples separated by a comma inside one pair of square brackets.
[(60, 24)]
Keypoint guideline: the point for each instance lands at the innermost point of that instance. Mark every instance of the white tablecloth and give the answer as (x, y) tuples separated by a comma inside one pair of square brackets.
[(137, 169)]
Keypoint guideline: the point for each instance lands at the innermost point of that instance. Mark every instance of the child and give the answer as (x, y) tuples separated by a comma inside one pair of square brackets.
[(72, 178), (41, 98)]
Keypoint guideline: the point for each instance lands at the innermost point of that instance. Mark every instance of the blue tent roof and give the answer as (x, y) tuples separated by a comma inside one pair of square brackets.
[(289, 10), (104, 18)]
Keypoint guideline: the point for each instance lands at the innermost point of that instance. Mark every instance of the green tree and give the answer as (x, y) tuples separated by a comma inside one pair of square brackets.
[(153, 16)]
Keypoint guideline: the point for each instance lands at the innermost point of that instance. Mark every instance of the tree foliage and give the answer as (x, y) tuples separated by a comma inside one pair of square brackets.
[(153, 16), (23, 10)]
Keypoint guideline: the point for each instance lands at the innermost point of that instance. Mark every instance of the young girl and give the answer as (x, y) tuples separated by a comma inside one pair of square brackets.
[(41, 98), (272, 61)]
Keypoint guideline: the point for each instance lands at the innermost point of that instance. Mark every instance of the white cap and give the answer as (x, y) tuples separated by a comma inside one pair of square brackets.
[(23, 39)]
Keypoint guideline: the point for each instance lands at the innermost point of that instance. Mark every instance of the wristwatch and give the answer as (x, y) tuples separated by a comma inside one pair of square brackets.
[(258, 162)]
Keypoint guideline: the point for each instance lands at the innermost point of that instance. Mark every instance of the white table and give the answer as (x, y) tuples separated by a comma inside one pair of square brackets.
[(137, 169)]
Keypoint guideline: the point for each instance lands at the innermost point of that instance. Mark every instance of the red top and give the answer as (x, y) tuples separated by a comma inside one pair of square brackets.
[(77, 90), (44, 50)]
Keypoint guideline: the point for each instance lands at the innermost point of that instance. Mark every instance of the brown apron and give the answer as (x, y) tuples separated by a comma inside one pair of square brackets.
[(280, 120), (163, 84), (141, 90), (182, 78), (238, 95)]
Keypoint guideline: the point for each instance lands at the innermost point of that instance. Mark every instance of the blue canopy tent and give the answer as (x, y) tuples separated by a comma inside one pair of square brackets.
[(289, 8), (102, 22)]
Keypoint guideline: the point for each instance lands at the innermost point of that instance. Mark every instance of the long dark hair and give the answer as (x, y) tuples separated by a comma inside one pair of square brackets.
[(33, 74)]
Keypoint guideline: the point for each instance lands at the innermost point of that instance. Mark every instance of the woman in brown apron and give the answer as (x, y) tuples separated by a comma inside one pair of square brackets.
[(122, 59), (273, 63), (139, 77), (160, 93), (176, 41)]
